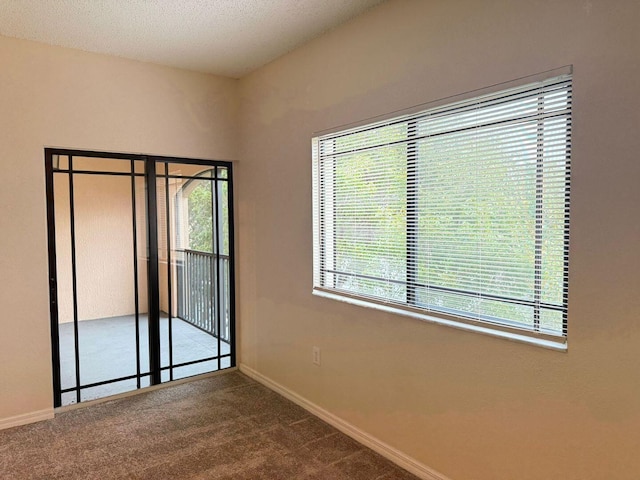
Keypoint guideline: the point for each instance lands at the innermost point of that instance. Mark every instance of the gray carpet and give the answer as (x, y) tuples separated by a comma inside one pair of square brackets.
[(222, 427)]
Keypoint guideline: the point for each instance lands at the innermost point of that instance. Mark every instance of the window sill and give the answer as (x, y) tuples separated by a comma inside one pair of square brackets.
[(557, 344)]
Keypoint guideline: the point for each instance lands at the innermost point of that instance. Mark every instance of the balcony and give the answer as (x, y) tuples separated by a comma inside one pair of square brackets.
[(113, 352)]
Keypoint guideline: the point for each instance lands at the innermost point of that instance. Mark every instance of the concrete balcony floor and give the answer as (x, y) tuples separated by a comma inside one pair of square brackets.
[(107, 350)]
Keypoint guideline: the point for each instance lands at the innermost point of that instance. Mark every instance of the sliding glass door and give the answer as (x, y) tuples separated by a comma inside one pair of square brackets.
[(141, 271)]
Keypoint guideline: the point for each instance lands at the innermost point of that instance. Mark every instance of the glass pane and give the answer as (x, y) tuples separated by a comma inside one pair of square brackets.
[(145, 381), (191, 275), (96, 164), (189, 170), (64, 285), (60, 162), (138, 166), (195, 369), (108, 389), (103, 214), (369, 222), (223, 216), (69, 398), (551, 320), (165, 200), (142, 257)]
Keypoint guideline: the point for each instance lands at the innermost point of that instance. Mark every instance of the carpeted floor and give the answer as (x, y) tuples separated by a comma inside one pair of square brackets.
[(222, 427)]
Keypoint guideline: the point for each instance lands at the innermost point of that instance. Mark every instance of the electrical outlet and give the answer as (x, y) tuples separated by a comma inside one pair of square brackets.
[(316, 355)]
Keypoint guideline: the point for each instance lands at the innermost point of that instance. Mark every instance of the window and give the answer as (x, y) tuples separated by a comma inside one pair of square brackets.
[(457, 214)]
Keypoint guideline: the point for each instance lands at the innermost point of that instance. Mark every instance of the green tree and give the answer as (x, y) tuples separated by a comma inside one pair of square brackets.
[(200, 218), (200, 213)]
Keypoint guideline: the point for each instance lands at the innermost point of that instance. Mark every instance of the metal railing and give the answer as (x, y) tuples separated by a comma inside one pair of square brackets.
[(203, 292)]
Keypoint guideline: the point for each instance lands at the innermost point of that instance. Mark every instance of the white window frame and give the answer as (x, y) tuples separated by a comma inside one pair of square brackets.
[(323, 198)]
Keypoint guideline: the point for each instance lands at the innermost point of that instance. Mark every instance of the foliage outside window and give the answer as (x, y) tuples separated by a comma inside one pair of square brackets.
[(458, 213), (201, 214)]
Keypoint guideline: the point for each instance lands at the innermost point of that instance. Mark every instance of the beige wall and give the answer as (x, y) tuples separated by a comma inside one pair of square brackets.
[(59, 97), (472, 407)]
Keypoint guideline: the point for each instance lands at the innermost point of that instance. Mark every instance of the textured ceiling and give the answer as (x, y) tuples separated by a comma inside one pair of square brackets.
[(225, 37)]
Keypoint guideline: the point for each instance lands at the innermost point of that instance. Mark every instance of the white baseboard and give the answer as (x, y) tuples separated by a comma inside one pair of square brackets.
[(26, 418), (387, 451)]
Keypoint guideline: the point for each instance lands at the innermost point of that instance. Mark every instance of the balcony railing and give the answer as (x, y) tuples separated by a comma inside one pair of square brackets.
[(203, 292)]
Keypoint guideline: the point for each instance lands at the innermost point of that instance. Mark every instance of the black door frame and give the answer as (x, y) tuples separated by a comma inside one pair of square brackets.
[(150, 176)]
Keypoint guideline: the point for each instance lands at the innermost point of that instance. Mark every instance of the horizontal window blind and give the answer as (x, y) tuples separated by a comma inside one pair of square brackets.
[(461, 209)]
